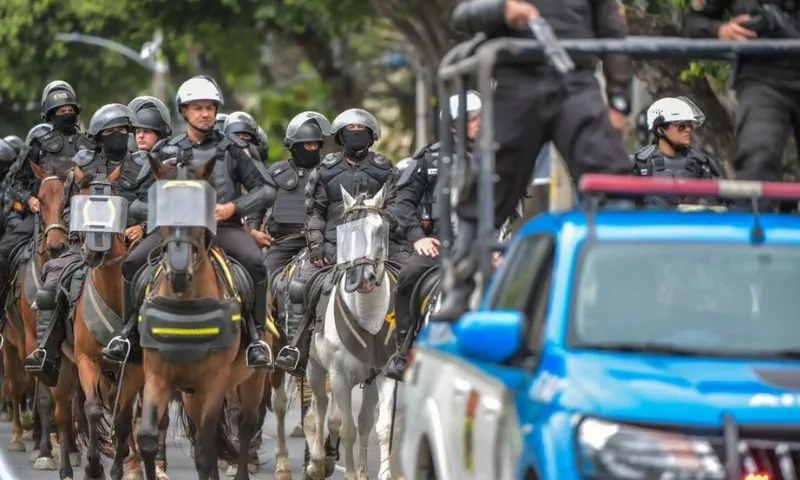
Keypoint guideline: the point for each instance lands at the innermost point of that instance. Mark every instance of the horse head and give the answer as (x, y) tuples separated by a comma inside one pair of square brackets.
[(183, 240), (364, 244), (52, 196), (98, 216)]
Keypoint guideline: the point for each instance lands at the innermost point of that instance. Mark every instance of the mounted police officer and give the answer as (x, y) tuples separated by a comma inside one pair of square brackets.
[(358, 170), (263, 145), (198, 99), (415, 210), (53, 151), (244, 126), (14, 211), (7, 156), (15, 142), (672, 122), (109, 127), (152, 123), (219, 121)]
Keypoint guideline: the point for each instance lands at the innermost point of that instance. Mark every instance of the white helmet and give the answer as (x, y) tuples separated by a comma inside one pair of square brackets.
[(198, 88), (668, 110), (474, 104)]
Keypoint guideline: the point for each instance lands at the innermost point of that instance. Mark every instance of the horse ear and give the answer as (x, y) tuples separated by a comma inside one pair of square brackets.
[(159, 169), (204, 171), (38, 171), (114, 177), (77, 174), (348, 199), (379, 198)]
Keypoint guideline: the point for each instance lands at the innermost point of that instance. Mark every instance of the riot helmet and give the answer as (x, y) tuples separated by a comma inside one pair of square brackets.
[(151, 113), (38, 131), (110, 116), (57, 94), (355, 116), (7, 152), (241, 122), (219, 123), (263, 144), (307, 127), (200, 87), (15, 142)]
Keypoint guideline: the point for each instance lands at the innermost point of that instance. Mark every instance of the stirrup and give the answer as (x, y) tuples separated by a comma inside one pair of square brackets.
[(253, 345), (39, 368), (296, 350), (124, 341), (2, 341)]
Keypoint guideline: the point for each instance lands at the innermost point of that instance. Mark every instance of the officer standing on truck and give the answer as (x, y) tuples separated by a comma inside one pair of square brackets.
[(767, 88), (537, 104)]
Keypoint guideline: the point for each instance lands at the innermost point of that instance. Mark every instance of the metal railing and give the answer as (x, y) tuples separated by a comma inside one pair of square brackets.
[(476, 59)]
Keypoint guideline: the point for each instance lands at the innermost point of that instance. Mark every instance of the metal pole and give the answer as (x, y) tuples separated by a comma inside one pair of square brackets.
[(421, 97)]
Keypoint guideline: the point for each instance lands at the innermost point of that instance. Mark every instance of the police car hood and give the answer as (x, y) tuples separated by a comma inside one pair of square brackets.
[(683, 390)]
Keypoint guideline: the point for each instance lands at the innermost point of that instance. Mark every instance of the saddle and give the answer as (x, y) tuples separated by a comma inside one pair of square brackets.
[(20, 254), (423, 297), (21, 277)]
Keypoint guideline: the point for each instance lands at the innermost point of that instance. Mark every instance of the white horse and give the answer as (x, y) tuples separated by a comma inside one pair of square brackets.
[(361, 297)]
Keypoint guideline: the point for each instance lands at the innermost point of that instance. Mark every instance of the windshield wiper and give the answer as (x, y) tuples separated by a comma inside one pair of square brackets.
[(655, 347)]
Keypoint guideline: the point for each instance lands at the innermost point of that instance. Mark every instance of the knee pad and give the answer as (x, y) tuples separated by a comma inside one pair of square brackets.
[(297, 291), (45, 300)]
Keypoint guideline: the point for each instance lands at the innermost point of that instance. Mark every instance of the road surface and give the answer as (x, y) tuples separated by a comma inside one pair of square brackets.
[(181, 464)]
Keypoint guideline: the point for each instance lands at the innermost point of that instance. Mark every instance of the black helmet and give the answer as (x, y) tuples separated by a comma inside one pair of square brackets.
[(151, 113), (307, 127), (57, 94), (355, 116), (219, 123), (15, 142), (110, 116), (241, 122), (38, 131), (7, 152)]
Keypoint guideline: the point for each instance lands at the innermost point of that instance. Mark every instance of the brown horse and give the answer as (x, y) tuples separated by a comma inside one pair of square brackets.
[(19, 332), (186, 286)]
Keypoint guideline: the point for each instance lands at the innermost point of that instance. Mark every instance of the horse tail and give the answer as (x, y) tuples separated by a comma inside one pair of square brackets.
[(298, 384), (223, 438)]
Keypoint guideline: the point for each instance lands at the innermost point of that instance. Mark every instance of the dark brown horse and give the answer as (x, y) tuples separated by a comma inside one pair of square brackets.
[(186, 281)]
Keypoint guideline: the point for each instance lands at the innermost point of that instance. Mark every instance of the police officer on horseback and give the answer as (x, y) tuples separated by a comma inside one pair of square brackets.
[(109, 127), (52, 148), (357, 170), (305, 137), (152, 123), (417, 215), (15, 142), (198, 99), (672, 122), (244, 126)]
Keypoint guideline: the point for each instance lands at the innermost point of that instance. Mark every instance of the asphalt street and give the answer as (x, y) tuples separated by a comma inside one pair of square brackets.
[(181, 464)]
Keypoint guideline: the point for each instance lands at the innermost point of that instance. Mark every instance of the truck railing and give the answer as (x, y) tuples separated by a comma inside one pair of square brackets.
[(477, 58)]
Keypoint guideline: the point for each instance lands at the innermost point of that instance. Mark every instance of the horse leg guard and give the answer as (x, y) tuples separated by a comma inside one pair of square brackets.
[(125, 346), (459, 274), (45, 361), (258, 353)]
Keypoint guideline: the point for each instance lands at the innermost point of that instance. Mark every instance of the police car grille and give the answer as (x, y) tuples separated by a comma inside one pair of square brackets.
[(766, 459)]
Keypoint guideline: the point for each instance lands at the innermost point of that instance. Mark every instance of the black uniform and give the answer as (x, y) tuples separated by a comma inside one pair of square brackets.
[(238, 168), (687, 163), (767, 88), (416, 202), (535, 105)]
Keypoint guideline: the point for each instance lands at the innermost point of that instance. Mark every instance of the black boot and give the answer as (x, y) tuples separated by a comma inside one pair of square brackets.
[(45, 362), (125, 347), (258, 353), (396, 367), (293, 357), (459, 275)]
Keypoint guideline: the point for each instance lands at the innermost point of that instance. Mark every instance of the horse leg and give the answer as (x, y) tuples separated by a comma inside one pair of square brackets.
[(90, 375), (62, 414), (123, 425), (316, 380), (44, 404), (161, 456), (155, 402), (343, 396), (249, 415), (13, 380), (387, 389), (334, 438), (207, 451), (283, 469), (366, 420)]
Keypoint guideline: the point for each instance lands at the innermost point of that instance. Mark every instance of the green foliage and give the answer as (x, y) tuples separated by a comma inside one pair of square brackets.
[(716, 72)]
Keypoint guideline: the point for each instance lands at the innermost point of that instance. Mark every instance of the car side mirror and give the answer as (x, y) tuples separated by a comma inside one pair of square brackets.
[(491, 336)]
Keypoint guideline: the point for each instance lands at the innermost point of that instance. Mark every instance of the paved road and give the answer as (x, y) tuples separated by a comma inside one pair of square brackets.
[(181, 465)]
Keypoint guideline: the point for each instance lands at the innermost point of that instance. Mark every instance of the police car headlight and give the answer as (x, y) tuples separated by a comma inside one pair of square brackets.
[(622, 452), (508, 448)]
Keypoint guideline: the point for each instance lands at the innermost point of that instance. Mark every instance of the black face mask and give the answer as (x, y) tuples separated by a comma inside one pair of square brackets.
[(306, 158), (356, 143), (115, 143), (65, 122)]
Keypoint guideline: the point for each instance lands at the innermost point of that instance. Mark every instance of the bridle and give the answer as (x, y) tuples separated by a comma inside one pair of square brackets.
[(38, 222)]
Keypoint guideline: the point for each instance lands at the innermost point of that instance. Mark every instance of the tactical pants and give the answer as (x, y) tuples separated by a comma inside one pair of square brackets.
[(281, 253), (534, 109), (766, 116), (22, 233), (412, 270), (51, 274)]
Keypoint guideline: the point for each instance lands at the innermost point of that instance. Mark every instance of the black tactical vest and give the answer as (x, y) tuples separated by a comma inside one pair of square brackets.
[(368, 175), (429, 202), (129, 177), (687, 163), (58, 149), (289, 210)]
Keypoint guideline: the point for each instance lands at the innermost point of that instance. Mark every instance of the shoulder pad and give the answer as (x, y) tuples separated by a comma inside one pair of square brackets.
[(421, 152), (332, 159), (285, 176), (141, 158), (51, 142), (379, 160), (410, 169), (84, 157), (160, 143), (645, 153), (83, 142), (277, 168), (234, 140), (176, 140)]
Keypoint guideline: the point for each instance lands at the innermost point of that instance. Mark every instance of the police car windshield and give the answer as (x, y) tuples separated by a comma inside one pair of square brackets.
[(715, 299)]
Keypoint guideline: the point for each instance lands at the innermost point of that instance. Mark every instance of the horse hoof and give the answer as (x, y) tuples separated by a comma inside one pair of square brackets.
[(315, 471), (283, 475), (231, 471), (45, 463), (5, 417), (297, 432), (161, 474), (253, 468), (330, 466), (16, 447), (35, 454), (75, 459), (27, 434), (134, 475), (222, 464)]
